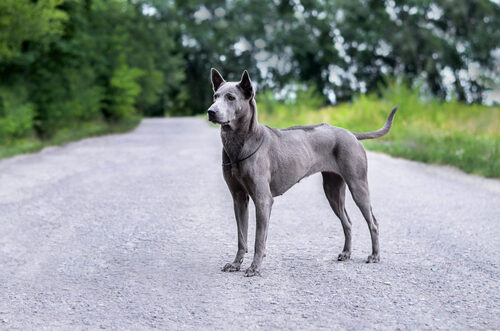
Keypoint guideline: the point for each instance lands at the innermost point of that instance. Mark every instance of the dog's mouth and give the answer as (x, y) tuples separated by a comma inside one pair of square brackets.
[(215, 121)]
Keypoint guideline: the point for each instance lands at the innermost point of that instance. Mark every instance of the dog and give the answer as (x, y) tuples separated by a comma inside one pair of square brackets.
[(262, 162)]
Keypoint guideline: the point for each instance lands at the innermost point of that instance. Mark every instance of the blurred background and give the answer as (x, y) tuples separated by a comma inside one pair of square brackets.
[(76, 68)]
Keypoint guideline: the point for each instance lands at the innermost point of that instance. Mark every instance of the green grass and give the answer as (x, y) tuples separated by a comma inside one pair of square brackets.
[(79, 131), (427, 130)]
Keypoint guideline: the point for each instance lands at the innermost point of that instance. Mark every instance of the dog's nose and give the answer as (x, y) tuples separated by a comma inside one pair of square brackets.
[(211, 112)]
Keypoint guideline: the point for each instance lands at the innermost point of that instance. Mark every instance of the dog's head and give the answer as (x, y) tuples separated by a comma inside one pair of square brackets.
[(231, 99)]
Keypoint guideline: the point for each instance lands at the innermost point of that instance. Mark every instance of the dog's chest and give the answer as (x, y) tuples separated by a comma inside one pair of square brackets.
[(241, 175), (235, 172), (238, 172)]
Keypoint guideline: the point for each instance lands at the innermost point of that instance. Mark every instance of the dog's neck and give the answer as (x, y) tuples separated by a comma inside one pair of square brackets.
[(243, 135)]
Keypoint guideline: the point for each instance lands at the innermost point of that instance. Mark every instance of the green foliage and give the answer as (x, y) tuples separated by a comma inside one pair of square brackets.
[(422, 39), (123, 92), (345, 47), (425, 129), (68, 95), (23, 21), (294, 105), (67, 64), (152, 86), (85, 101), (16, 113)]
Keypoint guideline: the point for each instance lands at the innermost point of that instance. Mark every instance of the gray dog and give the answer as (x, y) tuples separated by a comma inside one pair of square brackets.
[(262, 162)]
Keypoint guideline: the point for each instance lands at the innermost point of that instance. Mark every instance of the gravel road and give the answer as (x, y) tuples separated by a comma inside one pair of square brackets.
[(130, 231)]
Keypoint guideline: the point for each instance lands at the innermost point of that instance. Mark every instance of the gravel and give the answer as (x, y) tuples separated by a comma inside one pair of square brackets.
[(130, 231)]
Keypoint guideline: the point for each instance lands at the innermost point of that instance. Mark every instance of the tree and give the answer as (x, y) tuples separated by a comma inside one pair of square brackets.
[(24, 21)]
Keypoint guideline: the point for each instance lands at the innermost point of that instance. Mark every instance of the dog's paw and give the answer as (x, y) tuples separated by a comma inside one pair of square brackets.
[(231, 267), (252, 271), (373, 259), (344, 256)]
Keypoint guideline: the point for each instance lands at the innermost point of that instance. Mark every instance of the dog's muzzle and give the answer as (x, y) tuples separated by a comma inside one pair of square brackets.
[(212, 115)]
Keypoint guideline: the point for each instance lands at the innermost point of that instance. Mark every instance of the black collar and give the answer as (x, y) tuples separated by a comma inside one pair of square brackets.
[(246, 157)]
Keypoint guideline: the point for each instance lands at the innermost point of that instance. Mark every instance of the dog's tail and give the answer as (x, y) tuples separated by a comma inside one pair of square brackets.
[(379, 133)]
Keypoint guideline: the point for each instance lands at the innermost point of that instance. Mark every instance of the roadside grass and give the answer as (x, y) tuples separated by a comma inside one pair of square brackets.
[(424, 129), (13, 147)]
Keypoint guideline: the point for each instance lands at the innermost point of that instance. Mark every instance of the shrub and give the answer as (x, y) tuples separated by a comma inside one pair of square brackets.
[(16, 113), (123, 92)]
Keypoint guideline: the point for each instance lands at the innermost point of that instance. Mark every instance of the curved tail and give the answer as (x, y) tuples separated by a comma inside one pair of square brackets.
[(379, 133)]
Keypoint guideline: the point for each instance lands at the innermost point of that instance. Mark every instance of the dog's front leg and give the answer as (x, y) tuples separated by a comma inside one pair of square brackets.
[(263, 204), (240, 200)]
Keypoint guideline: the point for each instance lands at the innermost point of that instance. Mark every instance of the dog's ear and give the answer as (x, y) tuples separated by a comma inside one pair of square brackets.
[(246, 85), (217, 79)]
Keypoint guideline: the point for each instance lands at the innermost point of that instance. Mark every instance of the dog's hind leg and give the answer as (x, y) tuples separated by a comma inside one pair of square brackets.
[(361, 195), (334, 187)]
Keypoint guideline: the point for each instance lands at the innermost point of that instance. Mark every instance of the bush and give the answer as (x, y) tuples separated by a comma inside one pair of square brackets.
[(16, 113), (123, 92), (85, 97), (67, 96), (71, 68)]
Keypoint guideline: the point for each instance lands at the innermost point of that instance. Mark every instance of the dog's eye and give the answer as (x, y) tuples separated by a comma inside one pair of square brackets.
[(229, 97)]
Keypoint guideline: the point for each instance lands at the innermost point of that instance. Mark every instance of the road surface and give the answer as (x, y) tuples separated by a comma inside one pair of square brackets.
[(130, 231)]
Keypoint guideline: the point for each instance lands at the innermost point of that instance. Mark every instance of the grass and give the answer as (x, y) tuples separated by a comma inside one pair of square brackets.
[(79, 131), (427, 130)]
